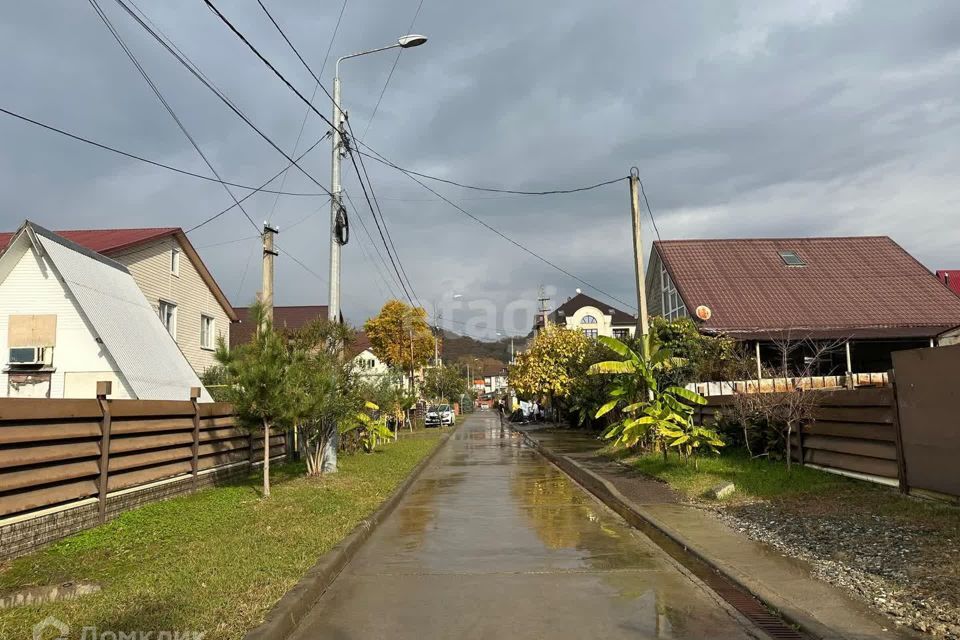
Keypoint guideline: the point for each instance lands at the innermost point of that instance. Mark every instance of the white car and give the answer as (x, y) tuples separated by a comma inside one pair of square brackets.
[(440, 415)]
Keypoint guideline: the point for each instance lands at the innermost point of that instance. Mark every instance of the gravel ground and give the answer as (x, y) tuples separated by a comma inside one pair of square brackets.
[(907, 570)]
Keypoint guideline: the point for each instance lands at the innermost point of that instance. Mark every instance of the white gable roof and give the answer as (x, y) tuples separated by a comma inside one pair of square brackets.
[(145, 354)]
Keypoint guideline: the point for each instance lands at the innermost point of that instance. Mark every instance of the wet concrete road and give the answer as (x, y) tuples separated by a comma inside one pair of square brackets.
[(494, 542)]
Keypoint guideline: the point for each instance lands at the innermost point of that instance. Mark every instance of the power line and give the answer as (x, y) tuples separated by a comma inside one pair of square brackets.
[(380, 229), (226, 242), (270, 66), (275, 176), (199, 76), (505, 236), (379, 158), (383, 230), (649, 211), (396, 60), (155, 163), (306, 114), (166, 105), (386, 269), (379, 211)]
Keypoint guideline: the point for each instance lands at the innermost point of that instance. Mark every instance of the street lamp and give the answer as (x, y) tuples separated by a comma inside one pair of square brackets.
[(336, 206)]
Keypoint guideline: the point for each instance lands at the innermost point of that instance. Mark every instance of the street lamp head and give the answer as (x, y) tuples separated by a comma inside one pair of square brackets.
[(412, 40)]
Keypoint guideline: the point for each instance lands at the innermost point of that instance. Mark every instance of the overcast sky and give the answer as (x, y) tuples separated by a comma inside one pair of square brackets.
[(745, 119)]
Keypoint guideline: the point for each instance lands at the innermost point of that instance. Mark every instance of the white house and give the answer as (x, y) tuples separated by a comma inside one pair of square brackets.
[(70, 317), (174, 279), (369, 365), (593, 317)]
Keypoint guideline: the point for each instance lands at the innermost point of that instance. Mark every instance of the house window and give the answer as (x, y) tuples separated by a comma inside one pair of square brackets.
[(168, 316), (671, 303), (621, 333), (791, 259), (175, 261), (207, 333), (590, 333), (588, 320)]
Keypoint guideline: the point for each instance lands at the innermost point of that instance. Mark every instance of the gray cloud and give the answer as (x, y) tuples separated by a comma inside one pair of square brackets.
[(789, 118)]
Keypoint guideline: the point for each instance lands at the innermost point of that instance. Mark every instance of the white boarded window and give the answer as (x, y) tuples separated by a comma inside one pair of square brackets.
[(175, 261)]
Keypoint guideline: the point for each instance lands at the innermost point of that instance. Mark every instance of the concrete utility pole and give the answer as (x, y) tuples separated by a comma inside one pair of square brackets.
[(333, 307), (642, 326), (269, 253), (336, 205)]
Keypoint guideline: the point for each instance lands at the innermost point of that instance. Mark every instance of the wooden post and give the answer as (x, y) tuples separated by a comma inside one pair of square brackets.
[(195, 450), (895, 411), (104, 389)]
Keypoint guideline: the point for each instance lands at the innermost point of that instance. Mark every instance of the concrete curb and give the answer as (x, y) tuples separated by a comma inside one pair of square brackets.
[(286, 614), (636, 515)]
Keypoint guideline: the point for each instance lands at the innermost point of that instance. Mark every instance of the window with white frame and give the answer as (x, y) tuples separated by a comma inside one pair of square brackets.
[(207, 332), (671, 303), (621, 333), (175, 261), (168, 316), (590, 333), (588, 320)]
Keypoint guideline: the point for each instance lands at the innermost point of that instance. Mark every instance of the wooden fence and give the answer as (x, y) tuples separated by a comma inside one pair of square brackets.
[(853, 431), (54, 453), (770, 385)]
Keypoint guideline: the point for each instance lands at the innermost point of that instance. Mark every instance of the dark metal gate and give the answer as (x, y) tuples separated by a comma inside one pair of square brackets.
[(928, 397)]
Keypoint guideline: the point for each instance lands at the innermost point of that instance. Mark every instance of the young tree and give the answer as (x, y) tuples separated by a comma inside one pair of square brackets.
[(400, 335), (256, 382), (445, 382), (323, 392), (551, 366)]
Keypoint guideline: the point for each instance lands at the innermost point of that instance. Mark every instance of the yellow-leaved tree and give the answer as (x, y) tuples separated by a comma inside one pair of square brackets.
[(551, 365), (400, 335)]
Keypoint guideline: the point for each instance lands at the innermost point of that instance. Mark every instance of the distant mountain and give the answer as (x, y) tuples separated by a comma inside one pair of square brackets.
[(462, 348)]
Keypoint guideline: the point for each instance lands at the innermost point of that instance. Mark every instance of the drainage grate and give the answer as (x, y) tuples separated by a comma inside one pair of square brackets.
[(751, 608)]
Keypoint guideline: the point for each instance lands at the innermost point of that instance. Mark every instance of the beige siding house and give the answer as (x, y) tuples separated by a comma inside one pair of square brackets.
[(174, 280)]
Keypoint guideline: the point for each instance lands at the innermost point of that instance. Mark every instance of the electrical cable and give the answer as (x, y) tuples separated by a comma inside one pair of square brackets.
[(379, 158), (275, 176), (377, 204), (380, 229), (306, 114), (649, 211), (220, 95), (506, 237), (341, 224), (161, 165), (374, 244), (396, 60), (166, 105)]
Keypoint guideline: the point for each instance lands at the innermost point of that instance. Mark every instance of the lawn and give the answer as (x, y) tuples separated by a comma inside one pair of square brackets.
[(214, 561), (756, 478), (805, 490)]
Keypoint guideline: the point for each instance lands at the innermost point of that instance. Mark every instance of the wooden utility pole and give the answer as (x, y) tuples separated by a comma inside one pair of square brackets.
[(642, 326), (269, 253)]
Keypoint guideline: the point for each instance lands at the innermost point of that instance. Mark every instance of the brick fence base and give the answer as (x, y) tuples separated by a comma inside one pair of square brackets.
[(23, 534)]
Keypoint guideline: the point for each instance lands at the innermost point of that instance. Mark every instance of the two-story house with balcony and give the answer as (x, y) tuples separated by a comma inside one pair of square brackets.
[(174, 280)]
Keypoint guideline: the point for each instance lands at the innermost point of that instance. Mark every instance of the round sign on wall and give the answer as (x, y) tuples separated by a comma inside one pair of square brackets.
[(703, 312)]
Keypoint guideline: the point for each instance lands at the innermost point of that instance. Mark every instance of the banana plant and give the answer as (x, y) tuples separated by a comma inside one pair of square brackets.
[(646, 410), (373, 431)]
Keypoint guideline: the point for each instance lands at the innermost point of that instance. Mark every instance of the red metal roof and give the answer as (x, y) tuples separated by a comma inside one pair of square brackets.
[(288, 318), (951, 278), (107, 241), (849, 287)]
